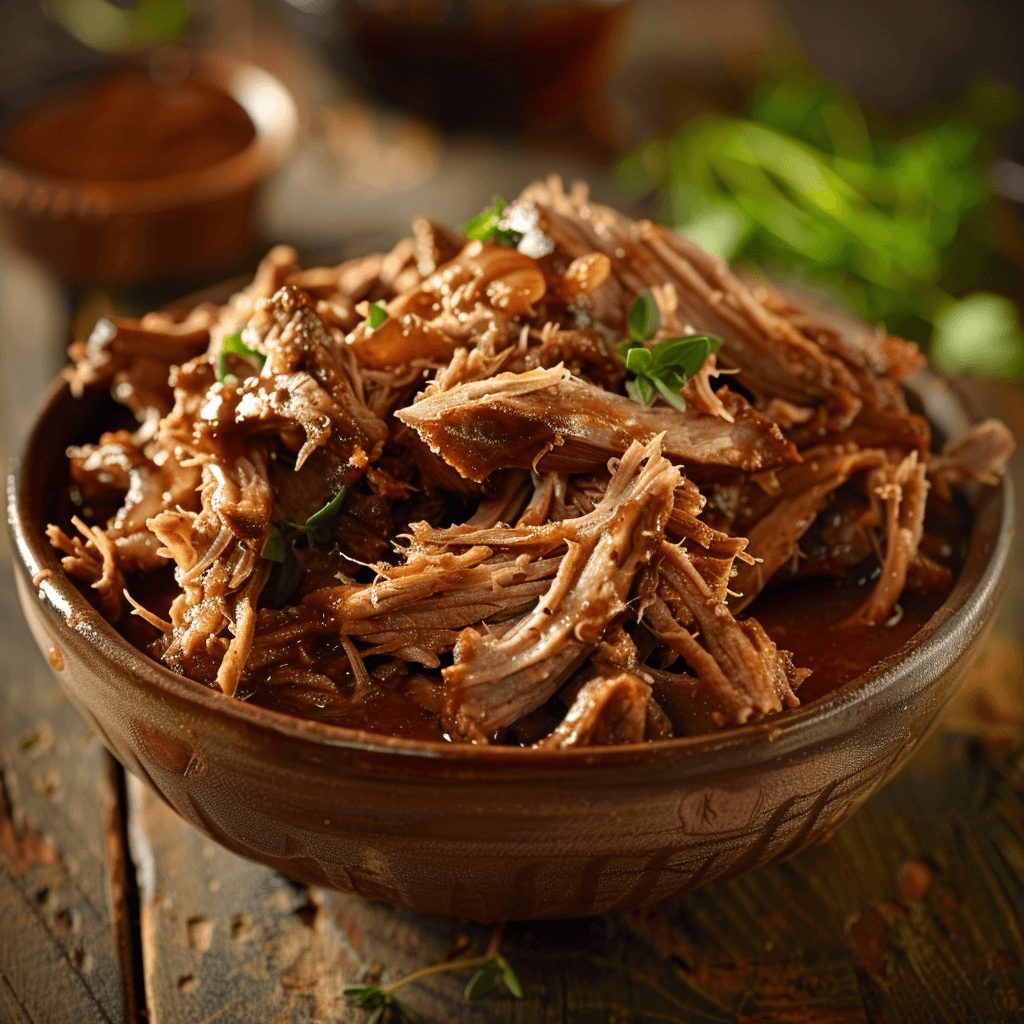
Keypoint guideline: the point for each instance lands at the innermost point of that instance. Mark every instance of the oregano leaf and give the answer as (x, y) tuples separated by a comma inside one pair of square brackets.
[(320, 525), (234, 346), (644, 319), (376, 314), (289, 578)]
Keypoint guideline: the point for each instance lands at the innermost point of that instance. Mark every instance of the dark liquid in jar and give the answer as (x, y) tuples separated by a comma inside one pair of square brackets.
[(483, 67)]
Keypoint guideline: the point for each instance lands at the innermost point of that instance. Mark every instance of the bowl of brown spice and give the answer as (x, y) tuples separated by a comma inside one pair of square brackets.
[(148, 170), (533, 570)]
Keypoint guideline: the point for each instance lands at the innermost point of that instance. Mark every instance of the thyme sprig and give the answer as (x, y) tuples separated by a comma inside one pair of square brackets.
[(664, 367), (490, 226), (492, 967), (280, 544), (234, 346)]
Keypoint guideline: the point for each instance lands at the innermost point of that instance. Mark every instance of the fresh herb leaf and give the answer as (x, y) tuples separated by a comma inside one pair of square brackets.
[(373, 997), (273, 547), (485, 981), (320, 525), (289, 578), (280, 547), (508, 976), (682, 357), (644, 319), (673, 398), (234, 346), (665, 367), (482, 227), (640, 390), (489, 226), (490, 967), (376, 314), (365, 996), (638, 358)]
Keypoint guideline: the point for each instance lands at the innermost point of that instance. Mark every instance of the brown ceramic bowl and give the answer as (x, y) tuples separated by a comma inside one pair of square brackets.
[(493, 832), (183, 225)]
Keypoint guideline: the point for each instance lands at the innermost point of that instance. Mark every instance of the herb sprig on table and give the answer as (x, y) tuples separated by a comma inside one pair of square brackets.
[(491, 968), (664, 367)]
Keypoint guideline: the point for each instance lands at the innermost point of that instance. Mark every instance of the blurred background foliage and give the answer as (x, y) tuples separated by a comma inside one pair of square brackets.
[(903, 227), (114, 28)]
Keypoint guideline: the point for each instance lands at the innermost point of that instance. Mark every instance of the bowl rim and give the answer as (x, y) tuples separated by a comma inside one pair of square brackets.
[(938, 643), (264, 98)]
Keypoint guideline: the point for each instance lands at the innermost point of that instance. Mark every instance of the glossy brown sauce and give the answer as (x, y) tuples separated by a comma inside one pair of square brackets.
[(808, 618), (385, 711), (389, 709), (126, 127), (805, 618)]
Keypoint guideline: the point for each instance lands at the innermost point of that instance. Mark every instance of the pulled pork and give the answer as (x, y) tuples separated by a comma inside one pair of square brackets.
[(454, 522)]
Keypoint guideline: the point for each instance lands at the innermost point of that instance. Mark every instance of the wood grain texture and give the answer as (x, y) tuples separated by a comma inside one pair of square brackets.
[(61, 955)]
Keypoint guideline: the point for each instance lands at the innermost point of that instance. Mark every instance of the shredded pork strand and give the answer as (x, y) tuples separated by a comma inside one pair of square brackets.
[(522, 552)]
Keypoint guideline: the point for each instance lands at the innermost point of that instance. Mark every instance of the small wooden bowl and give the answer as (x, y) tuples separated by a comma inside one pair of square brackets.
[(493, 832), (182, 225)]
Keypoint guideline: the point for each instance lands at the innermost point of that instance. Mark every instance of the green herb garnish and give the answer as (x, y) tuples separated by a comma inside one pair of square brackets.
[(376, 314), (489, 226), (320, 525), (281, 549), (289, 579), (274, 546), (644, 319), (280, 544), (234, 346), (373, 997), (485, 980), (665, 367)]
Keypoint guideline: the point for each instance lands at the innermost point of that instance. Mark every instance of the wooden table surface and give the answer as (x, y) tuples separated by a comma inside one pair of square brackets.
[(112, 909)]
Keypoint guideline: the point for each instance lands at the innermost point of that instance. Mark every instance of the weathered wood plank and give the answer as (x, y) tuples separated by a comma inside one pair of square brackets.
[(231, 941), (913, 909), (62, 935)]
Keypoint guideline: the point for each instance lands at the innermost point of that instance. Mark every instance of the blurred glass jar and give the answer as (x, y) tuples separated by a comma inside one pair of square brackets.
[(146, 169), (479, 65)]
